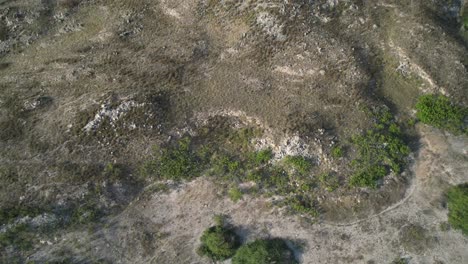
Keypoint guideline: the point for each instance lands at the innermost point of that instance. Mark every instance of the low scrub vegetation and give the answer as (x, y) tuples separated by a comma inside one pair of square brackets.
[(264, 251), (458, 207), (177, 162), (20, 237), (380, 151), (337, 152), (300, 164), (440, 112), (229, 156), (235, 194), (10, 214)]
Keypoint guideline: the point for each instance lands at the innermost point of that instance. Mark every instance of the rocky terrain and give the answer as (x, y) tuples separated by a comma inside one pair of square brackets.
[(127, 126)]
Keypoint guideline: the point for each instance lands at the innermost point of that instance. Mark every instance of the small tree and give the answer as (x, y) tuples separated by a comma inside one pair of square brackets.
[(218, 243)]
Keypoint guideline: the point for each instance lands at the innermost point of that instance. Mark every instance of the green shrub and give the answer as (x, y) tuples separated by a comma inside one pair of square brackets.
[(299, 163), (235, 194), (87, 213), (328, 181), (261, 157), (19, 237), (113, 172), (458, 207), (9, 214), (224, 165), (277, 178), (368, 177), (438, 111), (219, 219), (337, 152), (303, 205), (218, 243), (380, 150), (264, 251), (174, 163)]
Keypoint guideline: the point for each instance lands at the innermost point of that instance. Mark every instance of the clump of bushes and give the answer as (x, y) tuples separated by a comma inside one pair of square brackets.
[(380, 150), (19, 237), (9, 214), (219, 242), (177, 162), (458, 207), (440, 112), (299, 163), (264, 251)]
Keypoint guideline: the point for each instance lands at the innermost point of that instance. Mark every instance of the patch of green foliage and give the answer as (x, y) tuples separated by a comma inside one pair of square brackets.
[(218, 243), (9, 214), (399, 261), (85, 214), (458, 207), (380, 150), (261, 157), (303, 205), (264, 251), (225, 165), (18, 236), (177, 162), (337, 152), (465, 19), (232, 164), (440, 112), (113, 172), (328, 181), (235, 194), (300, 164)]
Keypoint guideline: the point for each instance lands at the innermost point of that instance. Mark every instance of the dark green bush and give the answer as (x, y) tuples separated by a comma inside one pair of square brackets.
[(264, 251), (440, 112), (218, 243), (458, 207)]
